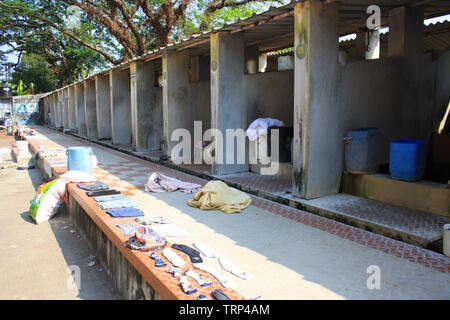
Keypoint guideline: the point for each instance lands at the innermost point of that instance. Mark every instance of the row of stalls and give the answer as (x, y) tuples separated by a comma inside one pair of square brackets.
[(229, 77)]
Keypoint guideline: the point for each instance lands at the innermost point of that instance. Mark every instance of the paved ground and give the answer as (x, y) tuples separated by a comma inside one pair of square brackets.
[(35, 259), (293, 254)]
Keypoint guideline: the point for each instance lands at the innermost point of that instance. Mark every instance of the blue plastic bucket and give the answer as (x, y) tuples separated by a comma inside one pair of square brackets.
[(79, 158), (407, 159)]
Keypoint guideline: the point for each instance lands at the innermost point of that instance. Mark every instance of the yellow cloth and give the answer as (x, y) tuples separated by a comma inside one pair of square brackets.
[(217, 195)]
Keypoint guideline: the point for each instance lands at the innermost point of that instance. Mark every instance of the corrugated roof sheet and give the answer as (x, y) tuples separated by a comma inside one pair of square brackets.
[(277, 24)]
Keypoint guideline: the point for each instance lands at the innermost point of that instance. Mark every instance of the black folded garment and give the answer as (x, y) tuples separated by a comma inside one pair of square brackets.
[(102, 193), (96, 186), (193, 254), (219, 295)]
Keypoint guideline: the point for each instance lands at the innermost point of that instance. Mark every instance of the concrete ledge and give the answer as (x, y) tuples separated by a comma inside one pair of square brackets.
[(128, 281), (422, 195)]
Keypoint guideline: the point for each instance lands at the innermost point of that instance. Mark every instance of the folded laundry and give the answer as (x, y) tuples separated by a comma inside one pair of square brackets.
[(102, 193), (120, 203), (157, 182), (193, 254), (217, 195), (175, 271), (173, 257), (158, 261), (125, 212), (186, 286), (146, 240), (170, 230), (207, 251), (111, 197), (128, 229), (152, 219), (230, 267), (201, 280), (223, 279), (219, 295), (96, 186)]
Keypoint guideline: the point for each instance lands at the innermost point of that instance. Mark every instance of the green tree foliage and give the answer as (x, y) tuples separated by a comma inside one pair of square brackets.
[(33, 69), (108, 32)]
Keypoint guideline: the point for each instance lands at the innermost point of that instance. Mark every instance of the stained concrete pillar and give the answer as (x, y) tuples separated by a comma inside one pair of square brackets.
[(60, 109), (120, 106), (53, 108), (79, 105), (65, 97), (227, 95), (146, 113), (317, 156), (72, 109), (90, 106), (406, 30), (102, 95), (175, 81)]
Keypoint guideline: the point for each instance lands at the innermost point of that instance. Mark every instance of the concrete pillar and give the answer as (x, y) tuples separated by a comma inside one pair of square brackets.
[(120, 106), (60, 109), (79, 105), (318, 149), (72, 109), (102, 95), (406, 29), (227, 94), (53, 108), (90, 108), (175, 81), (146, 114), (65, 97)]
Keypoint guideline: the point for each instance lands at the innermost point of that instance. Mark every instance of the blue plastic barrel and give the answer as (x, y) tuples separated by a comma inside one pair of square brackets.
[(363, 150), (407, 159), (79, 158)]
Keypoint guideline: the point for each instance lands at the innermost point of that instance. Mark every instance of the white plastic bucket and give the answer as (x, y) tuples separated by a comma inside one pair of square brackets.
[(446, 238), (22, 146), (251, 66)]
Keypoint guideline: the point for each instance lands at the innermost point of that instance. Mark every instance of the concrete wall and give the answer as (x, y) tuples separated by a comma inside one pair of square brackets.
[(72, 109), (79, 104), (147, 108), (382, 93), (269, 95), (120, 106), (183, 102), (90, 109), (103, 110), (65, 97)]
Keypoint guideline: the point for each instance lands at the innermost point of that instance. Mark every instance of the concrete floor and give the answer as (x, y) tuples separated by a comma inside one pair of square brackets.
[(290, 260), (35, 259)]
